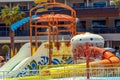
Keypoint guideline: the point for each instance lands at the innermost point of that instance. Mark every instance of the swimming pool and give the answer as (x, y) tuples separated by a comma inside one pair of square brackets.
[(92, 78)]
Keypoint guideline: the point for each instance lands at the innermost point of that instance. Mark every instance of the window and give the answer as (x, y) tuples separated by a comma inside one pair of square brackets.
[(2, 24), (78, 5), (82, 5), (81, 26), (1, 8), (98, 23), (4, 28), (99, 4), (23, 8), (117, 23), (99, 26)]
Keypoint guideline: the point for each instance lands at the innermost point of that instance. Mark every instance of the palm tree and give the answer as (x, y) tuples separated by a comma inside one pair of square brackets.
[(5, 49), (9, 17), (116, 2)]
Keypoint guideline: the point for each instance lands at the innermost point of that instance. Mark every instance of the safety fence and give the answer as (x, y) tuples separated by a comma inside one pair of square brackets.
[(64, 73)]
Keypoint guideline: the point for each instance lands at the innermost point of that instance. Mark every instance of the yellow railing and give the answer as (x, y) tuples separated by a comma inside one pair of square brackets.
[(52, 72), (61, 71)]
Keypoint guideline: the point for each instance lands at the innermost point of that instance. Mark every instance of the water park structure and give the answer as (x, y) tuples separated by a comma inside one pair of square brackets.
[(80, 57), (51, 23)]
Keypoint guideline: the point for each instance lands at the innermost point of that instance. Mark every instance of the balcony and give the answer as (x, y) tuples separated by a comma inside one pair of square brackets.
[(109, 34), (97, 12), (89, 12), (98, 30)]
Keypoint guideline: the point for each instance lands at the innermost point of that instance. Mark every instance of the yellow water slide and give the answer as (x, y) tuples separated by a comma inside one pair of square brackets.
[(108, 60)]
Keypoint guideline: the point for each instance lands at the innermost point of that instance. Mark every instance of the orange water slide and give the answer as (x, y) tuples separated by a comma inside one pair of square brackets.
[(107, 57)]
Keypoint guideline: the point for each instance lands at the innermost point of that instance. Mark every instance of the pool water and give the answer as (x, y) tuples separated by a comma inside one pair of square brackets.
[(91, 78)]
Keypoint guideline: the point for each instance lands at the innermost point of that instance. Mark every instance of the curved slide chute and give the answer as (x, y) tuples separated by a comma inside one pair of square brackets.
[(29, 62), (22, 54), (20, 23), (107, 58)]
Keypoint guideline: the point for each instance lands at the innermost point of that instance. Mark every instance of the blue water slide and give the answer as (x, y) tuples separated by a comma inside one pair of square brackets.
[(19, 23)]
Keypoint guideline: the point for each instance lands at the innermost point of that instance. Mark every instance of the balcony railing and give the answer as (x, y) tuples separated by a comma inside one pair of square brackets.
[(74, 7), (107, 6), (100, 30)]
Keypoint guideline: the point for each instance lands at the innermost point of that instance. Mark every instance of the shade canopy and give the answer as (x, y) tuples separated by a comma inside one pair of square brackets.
[(54, 17), (42, 18)]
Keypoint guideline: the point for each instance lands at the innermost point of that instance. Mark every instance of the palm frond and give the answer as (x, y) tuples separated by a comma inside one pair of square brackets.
[(10, 17), (117, 3)]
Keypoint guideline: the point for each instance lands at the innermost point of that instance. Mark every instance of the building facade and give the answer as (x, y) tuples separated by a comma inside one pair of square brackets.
[(96, 16)]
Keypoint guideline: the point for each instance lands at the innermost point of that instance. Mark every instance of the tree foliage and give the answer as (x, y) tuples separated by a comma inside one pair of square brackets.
[(116, 2), (10, 16), (5, 49)]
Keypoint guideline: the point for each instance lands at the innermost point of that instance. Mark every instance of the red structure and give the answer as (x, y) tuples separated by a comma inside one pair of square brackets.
[(51, 22), (89, 53)]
